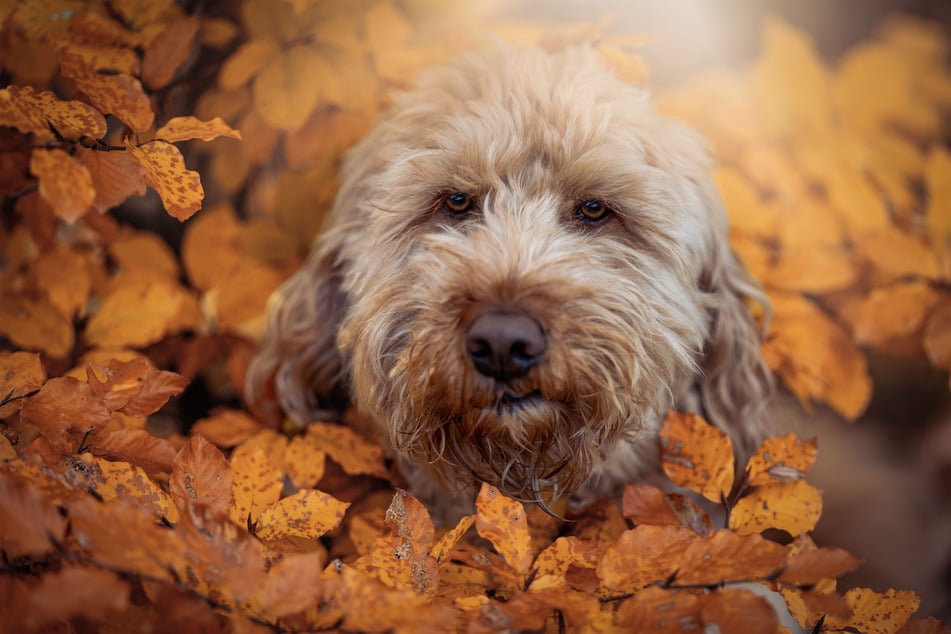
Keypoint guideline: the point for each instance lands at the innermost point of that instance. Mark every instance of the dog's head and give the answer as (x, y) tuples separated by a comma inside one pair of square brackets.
[(525, 265)]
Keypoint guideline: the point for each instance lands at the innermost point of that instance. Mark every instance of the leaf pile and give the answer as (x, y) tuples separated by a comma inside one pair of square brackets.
[(835, 178), (117, 514)]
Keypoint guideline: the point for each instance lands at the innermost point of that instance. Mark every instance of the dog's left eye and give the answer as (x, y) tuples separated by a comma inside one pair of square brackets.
[(593, 211), (458, 203)]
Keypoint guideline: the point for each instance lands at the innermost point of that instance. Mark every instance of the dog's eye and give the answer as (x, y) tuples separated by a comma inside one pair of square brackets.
[(458, 203), (593, 211)]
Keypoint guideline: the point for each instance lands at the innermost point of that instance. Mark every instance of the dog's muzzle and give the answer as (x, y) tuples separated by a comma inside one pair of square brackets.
[(505, 344)]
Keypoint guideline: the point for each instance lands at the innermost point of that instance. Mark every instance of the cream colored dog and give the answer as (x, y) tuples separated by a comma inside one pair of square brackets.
[(525, 269)]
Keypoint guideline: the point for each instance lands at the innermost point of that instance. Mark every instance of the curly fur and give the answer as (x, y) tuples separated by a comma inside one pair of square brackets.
[(644, 313)]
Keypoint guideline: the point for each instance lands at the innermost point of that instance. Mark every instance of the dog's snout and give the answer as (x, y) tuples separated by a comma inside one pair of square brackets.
[(505, 345)]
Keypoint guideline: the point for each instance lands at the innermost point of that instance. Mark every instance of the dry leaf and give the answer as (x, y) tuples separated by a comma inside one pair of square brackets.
[(187, 128), (168, 51), (165, 172), (202, 477), (784, 459), (503, 522), (697, 455), (794, 507), (65, 183), (307, 514), (20, 374)]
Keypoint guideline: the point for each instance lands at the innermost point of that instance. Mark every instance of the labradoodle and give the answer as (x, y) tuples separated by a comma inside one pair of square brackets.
[(525, 268)]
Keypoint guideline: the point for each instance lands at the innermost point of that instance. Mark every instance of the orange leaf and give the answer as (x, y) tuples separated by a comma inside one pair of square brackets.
[(201, 476), (137, 447), (227, 427), (242, 298), (794, 507), (179, 188), (113, 481), (937, 336), (210, 247), (304, 461), (120, 94), (450, 538), (281, 97), (291, 585), (257, 485), (503, 522), (897, 254), (938, 211), (810, 566), (75, 593), (20, 374), (63, 410), (31, 112), (63, 275), (36, 325), (246, 62), (813, 269), (726, 556), (352, 452), (929, 625), (28, 522), (186, 128), (169, 50), (657, 610), (115, 176), (401, 558), (65, 183), (553, 563), (307, 514), (783, 459), (697, 455), (642, 556), (892, 312), (876, 613), (139, 314), (646, 504), (737, 611)]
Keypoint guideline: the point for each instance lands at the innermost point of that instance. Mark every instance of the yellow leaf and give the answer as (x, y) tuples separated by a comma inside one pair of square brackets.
[(794, 507), (209, 248), (304, 461), (120, 480), (876, 613), (186, 128), (290, 85), (257, 485), (165, 171), (784, 459), (307, 514), (65, 183), (62, 274), (354, 454), (747, 212), (241, 298), (451, 537), (31, 112), (503, 522), (245, 63), (139, 314), (36, 325), (697, 455), (135, 251), (120, 94)]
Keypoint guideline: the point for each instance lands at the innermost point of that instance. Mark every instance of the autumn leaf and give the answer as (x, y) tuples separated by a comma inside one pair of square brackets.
[(201, 476), (726, 556), (20, 374), (117, 94), (355, 455), (810, 566), (450, 538), (503, 522), (646, 504), (165, 172), (794, 507), (168, 51), (29, 525), (227, 427), (187, 128), (257, 484), (65, 183), (307, 514), (137, 447), (784, 459), (642, 556), (138, 314), (697, 455), (30, 112), (304, 461), (280, 97), (36, 325), (111, 481), (75, 592), (292, 585), (876, 613), (63, 410)]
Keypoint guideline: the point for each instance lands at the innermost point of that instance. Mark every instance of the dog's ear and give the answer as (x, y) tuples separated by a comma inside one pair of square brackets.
[(736, 383), (298, 365)]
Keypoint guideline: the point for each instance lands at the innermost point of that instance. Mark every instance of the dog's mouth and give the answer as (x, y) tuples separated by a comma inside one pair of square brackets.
[(510, 402)]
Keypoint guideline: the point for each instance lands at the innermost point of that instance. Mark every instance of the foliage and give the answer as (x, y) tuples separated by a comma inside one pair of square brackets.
[(234, 525)]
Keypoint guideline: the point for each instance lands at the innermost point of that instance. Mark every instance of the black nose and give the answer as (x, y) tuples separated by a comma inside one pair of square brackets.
[(505, 345)]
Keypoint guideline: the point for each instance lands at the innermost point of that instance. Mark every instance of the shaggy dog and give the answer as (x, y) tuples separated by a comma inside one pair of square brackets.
[(524, 270)]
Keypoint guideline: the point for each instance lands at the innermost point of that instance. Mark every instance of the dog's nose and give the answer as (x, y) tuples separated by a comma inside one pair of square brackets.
[(505, 345)]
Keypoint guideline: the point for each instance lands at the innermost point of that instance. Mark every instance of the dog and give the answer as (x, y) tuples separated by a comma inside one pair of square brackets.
[(525, 268)]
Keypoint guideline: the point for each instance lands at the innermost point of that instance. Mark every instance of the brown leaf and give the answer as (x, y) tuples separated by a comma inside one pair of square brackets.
[(186, 128), (65, 409), (120, 94), (115, 177), (20, 374), (938, 211), (137, 447), (257, 485), (62, 274), (657, 610), (157, 388), (697, 455), (112, 481), (451, 538), (725, 556), (928, 625), (646, 504), (737, 611), (876, 613), (642, 556), (65, 183), (291, 585), (29, 524), (141, 313), (201, 476), (280, 97), (168, 51), (810, 566), (304, 461), (179, 188), (937, 336), (87, 593), (352, 452), (503, 522), (784, 459), (36, 325)]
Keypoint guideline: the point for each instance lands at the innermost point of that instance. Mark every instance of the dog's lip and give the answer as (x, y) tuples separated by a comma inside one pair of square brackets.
[(509, 400)]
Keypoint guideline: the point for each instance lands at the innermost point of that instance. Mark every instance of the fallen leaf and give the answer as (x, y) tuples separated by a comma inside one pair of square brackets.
[(354, 454), (257, 485), (201, 476), (876, 613), (227, 427), (64, 410), (784, 459), (794, 507), (307, 514), (697, 455), (20, 374), (36, 325), (74, 592), (29, 524), (503, 522), (643, 556), (737, 611)]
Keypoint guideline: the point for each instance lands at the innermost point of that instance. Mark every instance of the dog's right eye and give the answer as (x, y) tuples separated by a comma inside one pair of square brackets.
[(458, 203)]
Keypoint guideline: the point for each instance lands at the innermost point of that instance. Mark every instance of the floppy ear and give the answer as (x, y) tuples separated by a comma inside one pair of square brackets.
[(736, 383), (298, 364)]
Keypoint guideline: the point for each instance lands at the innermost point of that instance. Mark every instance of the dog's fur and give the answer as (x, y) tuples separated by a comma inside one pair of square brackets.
[(643, 312)]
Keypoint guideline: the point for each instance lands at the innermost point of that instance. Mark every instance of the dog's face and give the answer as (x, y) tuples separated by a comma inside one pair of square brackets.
[(526, 266)]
